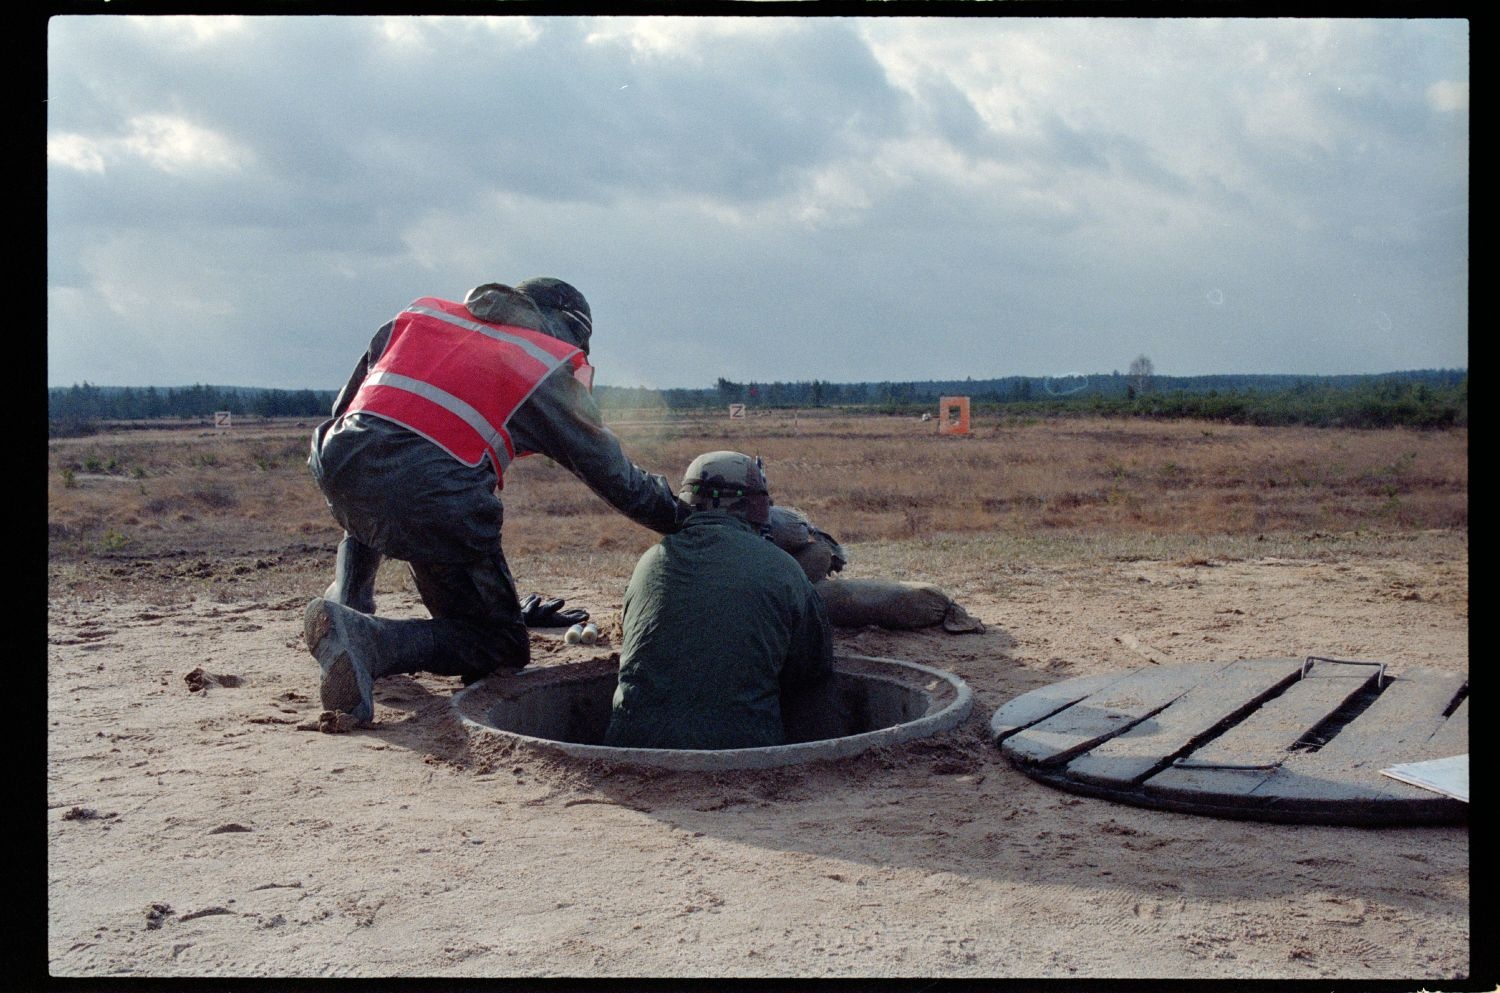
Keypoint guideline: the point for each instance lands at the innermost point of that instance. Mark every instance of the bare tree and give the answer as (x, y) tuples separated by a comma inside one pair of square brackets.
[(1141, 371)]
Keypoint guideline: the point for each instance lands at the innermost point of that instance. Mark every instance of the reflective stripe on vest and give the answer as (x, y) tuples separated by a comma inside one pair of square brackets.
[(457, 380)]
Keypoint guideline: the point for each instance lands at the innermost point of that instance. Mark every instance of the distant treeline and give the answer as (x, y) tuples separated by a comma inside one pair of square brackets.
[(1380, 403), (77, 408), (1420, 398)]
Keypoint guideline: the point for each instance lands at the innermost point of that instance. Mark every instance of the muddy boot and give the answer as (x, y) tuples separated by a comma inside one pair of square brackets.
[(354, 650), (354, 576), (471, 651)]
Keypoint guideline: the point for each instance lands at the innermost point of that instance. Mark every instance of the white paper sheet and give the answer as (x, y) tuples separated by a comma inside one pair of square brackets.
[(1449, 776)]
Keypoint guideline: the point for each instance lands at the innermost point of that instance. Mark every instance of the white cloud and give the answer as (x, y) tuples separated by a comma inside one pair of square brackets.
[(1448, 96), (684, 38), (521, 30), (1286, 120), (166, 142), (417, 35), (833, 194), (142, 281), (403, 33), (191, 31), (75, 151), (1000, 67), (175, 145)]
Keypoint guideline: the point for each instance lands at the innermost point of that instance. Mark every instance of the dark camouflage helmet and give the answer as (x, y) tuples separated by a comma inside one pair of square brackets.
[(727, 481), (502, 304), (567, 312)]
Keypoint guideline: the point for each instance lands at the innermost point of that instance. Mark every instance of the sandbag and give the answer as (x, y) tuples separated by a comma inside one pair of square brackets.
[(815, 550), (816, 560), (853, 603)]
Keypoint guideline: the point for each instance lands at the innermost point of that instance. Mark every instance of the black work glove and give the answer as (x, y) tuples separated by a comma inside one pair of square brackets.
[(537, 612)]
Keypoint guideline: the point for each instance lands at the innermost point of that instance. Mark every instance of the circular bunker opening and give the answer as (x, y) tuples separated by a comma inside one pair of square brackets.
[(868, 702)]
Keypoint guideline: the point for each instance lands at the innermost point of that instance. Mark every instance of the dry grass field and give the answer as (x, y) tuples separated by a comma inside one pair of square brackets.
[(244, 490), (199, 825)]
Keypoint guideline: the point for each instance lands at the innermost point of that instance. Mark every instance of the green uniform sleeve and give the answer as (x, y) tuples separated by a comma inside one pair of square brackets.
[(561, 421), (810, 660)]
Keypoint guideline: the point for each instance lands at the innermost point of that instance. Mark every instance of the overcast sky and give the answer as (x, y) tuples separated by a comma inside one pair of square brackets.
[(244, 200)]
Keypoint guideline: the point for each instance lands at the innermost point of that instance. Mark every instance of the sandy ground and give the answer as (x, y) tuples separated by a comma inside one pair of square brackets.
[(199, 824)]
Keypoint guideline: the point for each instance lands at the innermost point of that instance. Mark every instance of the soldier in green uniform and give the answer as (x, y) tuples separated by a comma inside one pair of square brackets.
[(718, 623)]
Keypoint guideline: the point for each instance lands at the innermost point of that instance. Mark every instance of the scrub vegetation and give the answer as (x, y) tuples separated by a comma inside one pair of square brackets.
[(872, 478)]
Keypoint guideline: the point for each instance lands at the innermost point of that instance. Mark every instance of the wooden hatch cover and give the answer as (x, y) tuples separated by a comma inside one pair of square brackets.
[(1297, 740)]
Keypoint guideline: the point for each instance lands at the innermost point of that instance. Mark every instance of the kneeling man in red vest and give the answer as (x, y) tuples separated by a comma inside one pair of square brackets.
[(411, 463)]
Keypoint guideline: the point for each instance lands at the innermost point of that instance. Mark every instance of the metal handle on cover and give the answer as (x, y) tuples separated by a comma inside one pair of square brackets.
[(1379, 677)]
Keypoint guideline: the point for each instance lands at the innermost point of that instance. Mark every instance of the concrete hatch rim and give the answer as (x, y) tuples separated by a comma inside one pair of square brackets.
[(949, 716)]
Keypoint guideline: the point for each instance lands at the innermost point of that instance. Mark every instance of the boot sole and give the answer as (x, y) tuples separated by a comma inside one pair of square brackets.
[(339, 689), (345, 686)]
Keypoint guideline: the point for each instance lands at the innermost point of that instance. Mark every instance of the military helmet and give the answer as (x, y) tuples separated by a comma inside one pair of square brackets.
[(567, 310), (727, 481), (502, 304)]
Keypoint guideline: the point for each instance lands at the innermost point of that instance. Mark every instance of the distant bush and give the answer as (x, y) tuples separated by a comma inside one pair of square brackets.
[(71, 427), (215, 495), (1380, 404), (1376, 403)]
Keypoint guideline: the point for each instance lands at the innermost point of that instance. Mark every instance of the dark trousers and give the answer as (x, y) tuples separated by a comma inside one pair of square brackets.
[(476, 624), (476, 614), (397, 495)]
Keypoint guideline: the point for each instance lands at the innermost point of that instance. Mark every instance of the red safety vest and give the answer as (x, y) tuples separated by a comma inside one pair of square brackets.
[(456, 380)]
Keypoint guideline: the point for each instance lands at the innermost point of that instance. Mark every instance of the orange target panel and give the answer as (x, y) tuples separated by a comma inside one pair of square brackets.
[(954, 415)]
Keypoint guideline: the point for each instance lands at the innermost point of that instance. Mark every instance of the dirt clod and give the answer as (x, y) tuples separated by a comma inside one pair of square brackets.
[(335, 722)]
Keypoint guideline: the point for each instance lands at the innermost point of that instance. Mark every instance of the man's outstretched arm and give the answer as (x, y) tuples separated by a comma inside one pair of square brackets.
[(561, 421)]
